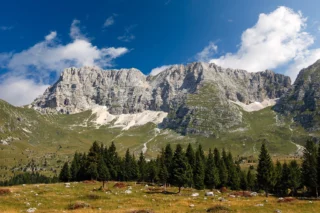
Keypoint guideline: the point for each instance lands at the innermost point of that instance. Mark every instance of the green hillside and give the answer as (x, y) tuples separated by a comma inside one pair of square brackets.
[(49, 140)]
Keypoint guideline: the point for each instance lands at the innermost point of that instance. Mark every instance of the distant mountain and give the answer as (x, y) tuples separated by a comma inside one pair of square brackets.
[(199, 98)]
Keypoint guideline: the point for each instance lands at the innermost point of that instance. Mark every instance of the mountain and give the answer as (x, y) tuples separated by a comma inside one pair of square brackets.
[(302, 102), (197, 98), (197, 103)]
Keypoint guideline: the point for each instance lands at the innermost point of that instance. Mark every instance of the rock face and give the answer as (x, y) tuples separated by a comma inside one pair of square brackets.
[(303, 100), (197, 96)]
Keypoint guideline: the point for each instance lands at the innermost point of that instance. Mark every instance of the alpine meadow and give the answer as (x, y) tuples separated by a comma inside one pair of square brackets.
[(160, 106)]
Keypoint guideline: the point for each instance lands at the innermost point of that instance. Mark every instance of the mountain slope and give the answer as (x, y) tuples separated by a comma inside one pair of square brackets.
[(182, 91), (302, 102)]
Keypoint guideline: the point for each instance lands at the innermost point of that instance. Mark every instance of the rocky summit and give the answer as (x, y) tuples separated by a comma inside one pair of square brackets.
[(199, 98), (302, 102)]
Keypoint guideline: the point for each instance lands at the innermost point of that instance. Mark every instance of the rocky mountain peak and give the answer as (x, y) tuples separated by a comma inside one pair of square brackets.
[(130, 91)]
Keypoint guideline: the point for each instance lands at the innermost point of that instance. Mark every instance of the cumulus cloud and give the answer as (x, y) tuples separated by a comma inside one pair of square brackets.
[(19, 91), (158, 70), (109, 21), (278, 38), (49, 57), (207, 53)]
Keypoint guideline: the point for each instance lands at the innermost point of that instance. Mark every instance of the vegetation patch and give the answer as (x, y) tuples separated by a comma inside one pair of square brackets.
[(218, 209), (78, 205), (5, 191)]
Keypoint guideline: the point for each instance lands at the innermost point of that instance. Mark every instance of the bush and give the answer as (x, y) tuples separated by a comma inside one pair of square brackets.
[(218, 209)]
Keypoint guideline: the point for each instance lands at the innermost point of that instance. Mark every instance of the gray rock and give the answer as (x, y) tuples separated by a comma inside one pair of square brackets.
[(196, 96)]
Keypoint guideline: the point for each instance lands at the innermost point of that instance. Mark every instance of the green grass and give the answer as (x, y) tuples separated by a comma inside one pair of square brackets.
[(58, 198), (55, 138)]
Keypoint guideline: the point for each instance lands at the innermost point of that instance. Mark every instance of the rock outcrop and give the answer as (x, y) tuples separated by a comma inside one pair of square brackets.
[(302, 102), (198, 97)]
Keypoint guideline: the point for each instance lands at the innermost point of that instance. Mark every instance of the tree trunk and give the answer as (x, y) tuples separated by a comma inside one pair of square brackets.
[(267, 193), (103, 184), (179, 189)]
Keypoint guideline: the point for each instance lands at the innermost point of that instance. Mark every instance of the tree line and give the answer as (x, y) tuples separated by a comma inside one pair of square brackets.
[(190, 168)]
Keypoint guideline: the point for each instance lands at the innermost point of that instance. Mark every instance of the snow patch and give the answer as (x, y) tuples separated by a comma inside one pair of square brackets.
[(256, 106), (126, 121)]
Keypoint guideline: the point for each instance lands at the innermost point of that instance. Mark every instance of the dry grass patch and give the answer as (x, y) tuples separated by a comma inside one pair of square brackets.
[(5, 191)]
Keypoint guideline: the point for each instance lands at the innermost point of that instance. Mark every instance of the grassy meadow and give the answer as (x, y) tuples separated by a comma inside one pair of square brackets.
[(86, 197)]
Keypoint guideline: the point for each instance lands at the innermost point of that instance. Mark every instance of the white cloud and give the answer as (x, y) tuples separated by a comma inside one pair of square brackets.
[(127, 36), (303, 60), (6, 28), (109, 21), (158, 70), (51, 36), (207, 52), (277, 38), (47, 57), (19, 91)]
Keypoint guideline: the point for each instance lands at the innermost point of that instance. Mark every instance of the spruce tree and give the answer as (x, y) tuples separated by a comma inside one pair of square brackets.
[(309, 167), (243, 180), (65, 173), (103, 172), (168, 155), (277, 177), (191, 156), (285, 179), (142, 167), (250, 180), (75, 167), (265, 173), (163, 171), (198, 174), (294, 176), (223, 173), (181, 170), (211, 172)]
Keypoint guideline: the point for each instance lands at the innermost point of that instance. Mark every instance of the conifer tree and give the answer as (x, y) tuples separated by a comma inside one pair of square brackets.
[(294, 176), (250, 180), (163, 171), (168, 155), (243, 180), (277, 177), (65, 173), (285, 178), (223, 173), (75, 166), (190, 155), (142, 167), (265, 173), (198, 174), (112, 161), (181, 170), (103, 172), (201, 153), (309, 167), (217, 157), (211, 172)]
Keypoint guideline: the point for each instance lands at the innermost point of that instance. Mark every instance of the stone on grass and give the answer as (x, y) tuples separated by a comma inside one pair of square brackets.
[(209, 194), (260, 204), (195, 194), (31, 210), (128, 191)]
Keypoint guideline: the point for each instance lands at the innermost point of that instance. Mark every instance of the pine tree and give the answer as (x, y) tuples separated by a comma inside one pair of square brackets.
[(152, 171), (243, 180), (201, 153), (309, 167), (285, 178), (168, 155), (250, 180), (103, 172), (217, 157), (277, 177), (181, 170), (142, 167), (294, 176), (112, 161), (75, 167), (198, 174), (211, 172), (65, 173), (223, 173), (190, 155), (163, 171), (265, 173)]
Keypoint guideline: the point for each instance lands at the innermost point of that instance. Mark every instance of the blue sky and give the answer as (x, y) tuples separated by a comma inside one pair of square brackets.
[(41, 38)]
